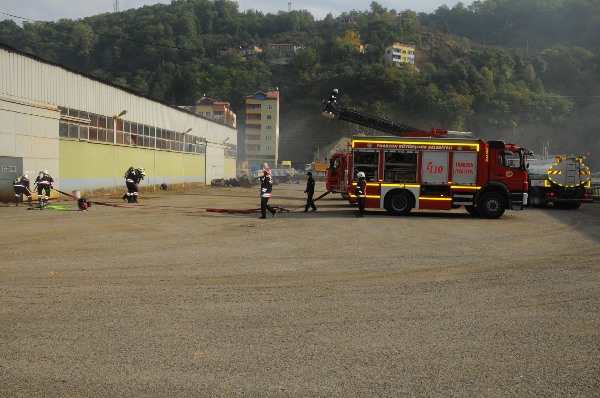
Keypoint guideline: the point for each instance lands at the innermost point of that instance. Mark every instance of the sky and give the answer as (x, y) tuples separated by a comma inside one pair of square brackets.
[(53, 10)]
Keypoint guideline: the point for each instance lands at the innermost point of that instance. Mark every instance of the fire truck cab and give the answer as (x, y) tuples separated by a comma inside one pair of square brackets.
[(433, 174)]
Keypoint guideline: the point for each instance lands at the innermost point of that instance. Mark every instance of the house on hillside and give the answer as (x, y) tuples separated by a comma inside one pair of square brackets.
[(283, 53), (250, 51), (400, 53)]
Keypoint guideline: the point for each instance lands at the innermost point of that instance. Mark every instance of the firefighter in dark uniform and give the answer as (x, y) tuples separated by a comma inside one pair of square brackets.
[(331, 101), (266, 188), (361, 193), (132, 178), (129, 182), (44, 183), (310, 191), (21, 187)]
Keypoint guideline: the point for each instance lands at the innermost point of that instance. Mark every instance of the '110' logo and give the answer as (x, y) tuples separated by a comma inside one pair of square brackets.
[(431, 168)]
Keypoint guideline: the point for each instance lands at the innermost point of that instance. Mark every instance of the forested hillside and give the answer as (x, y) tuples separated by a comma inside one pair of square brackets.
[(532, 25), (520, 70)]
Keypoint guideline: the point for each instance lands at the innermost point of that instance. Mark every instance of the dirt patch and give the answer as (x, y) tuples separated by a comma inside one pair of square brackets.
[(166, 299)]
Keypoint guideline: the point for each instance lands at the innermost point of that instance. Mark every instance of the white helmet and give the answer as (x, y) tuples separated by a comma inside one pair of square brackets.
[(335, 90), (360, 175), (26, 176), (45, 171)]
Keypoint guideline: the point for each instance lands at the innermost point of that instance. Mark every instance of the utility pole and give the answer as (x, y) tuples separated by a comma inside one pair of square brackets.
[(116, 6)]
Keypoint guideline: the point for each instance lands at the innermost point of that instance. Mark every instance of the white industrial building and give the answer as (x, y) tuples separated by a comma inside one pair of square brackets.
[(87, 132)]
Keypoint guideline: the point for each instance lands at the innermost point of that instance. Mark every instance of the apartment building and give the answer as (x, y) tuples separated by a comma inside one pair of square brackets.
[(400, 53), (218, 111), (262, 127)]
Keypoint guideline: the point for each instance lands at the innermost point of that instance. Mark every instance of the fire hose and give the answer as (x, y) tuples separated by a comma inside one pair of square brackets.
[(83, 203), (250, 211)]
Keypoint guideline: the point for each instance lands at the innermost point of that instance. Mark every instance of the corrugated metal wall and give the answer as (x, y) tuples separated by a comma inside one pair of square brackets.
[(31, 79)]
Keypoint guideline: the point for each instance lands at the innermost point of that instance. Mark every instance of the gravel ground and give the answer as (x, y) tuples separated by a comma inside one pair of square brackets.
[(164, 299)]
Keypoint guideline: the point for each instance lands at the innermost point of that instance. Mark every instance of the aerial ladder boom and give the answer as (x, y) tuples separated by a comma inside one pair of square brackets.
[(331, 110)]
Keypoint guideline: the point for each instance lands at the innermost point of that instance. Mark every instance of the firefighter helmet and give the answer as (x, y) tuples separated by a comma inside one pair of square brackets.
[(45, 172), (360, 175), (26, 176), (335, 90)]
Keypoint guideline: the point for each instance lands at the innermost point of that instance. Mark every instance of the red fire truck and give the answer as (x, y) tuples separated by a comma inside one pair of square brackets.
[(428, 170)]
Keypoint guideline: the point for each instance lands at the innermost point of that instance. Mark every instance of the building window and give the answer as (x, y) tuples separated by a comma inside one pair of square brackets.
[(79, 125), (269, 106), (269, 127), (268, 117)]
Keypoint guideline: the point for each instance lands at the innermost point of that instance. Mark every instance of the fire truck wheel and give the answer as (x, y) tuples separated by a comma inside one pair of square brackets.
[(399, 202), (492, 205)]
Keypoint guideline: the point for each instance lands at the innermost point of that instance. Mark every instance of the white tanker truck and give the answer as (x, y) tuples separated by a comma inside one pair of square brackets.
[(560, 180)]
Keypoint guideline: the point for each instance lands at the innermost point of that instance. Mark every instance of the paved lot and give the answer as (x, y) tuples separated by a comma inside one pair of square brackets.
[(164, 299)]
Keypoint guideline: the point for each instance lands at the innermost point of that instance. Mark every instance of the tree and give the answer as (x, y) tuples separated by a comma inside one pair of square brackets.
[(83, 39), (409, 22), (305, 61)]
